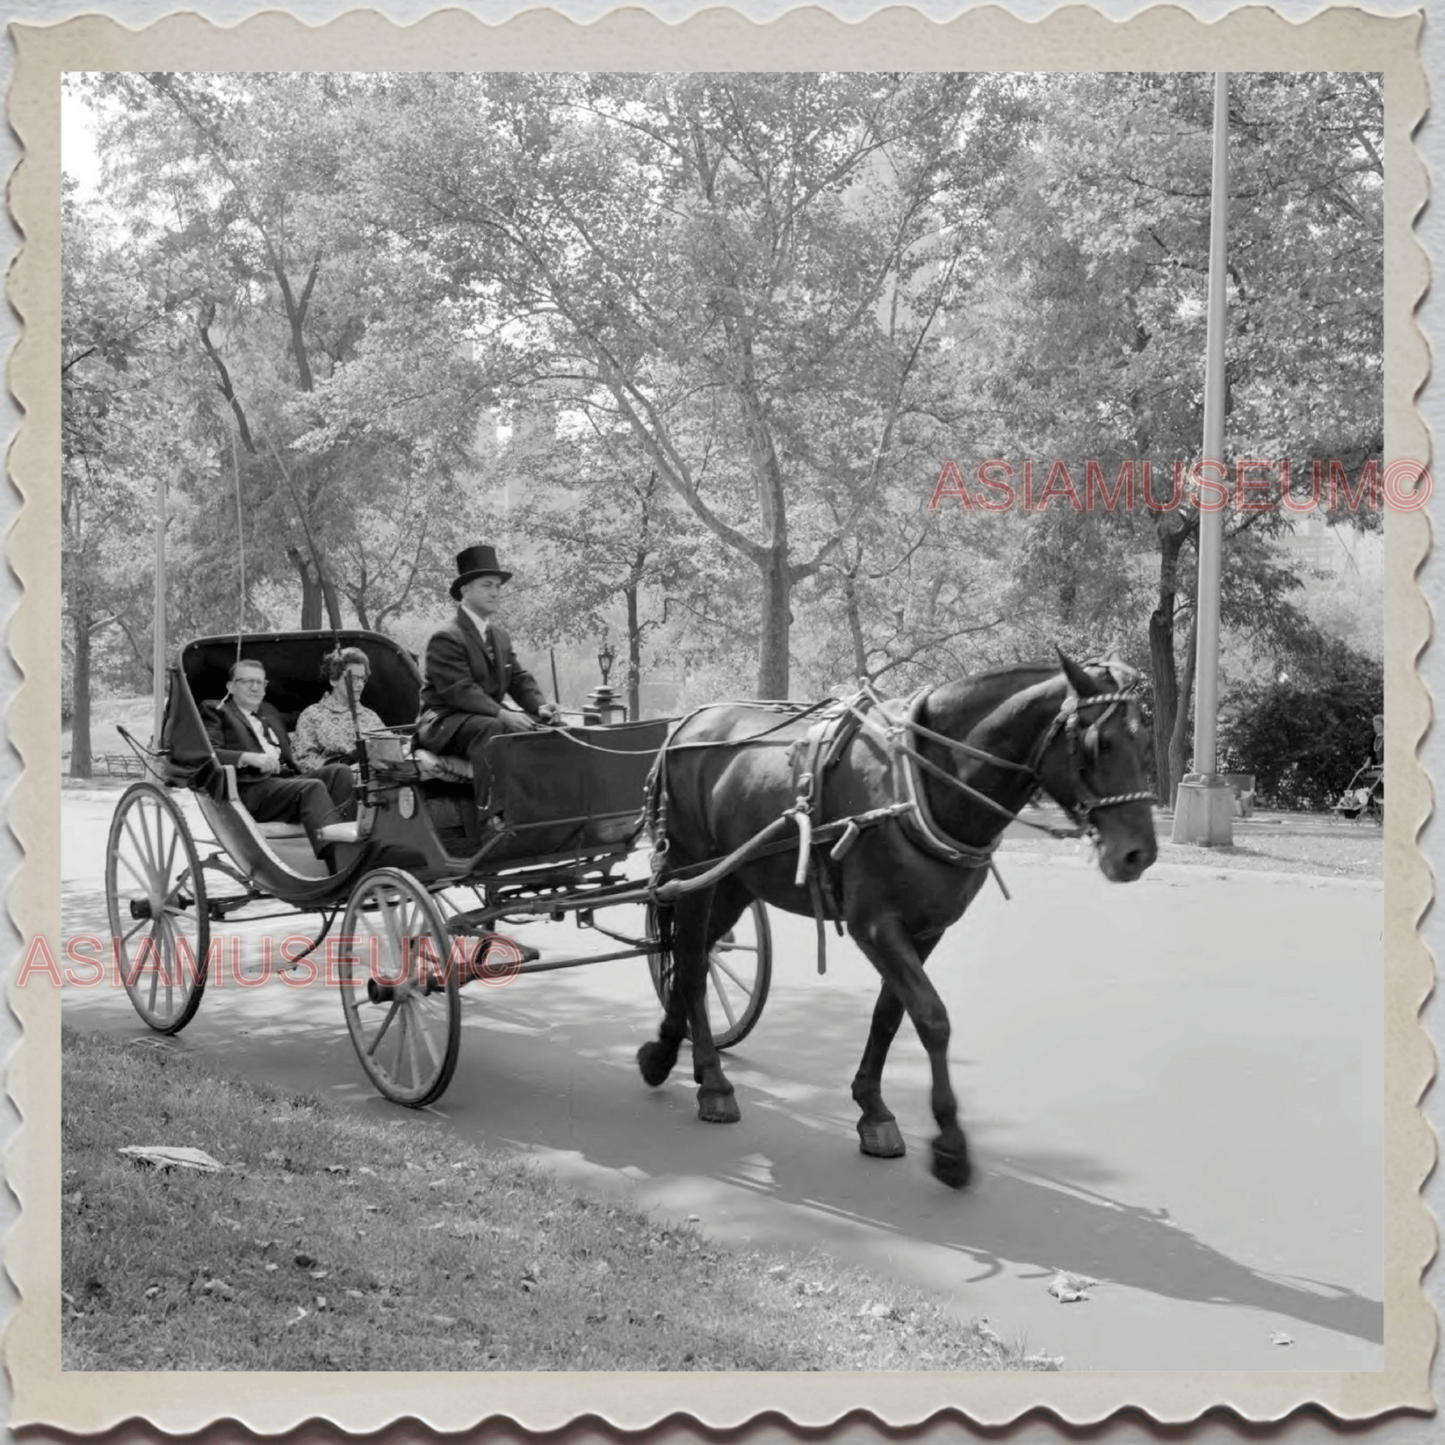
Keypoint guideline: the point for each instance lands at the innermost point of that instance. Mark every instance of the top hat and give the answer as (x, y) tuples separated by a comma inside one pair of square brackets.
[(474, 562)]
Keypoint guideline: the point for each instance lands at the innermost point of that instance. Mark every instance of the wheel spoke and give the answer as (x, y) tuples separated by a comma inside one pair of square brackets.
[(381, 1031), (731, 945), (130, 868), (716, 963), (723, 999), (155, 972), (403, 1042), (426, 1039)]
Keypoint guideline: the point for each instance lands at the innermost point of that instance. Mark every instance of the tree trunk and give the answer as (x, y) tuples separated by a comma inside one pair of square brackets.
[(634, 656), (310, 588), (1181, 713), (777, 623), (333, 603), (80, 755), (1161, 660), (318, 593), (855, 627)]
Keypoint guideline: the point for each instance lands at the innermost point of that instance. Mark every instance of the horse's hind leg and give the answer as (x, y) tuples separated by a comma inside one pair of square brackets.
[(878, 1133), (900, 963), (655, 1059)]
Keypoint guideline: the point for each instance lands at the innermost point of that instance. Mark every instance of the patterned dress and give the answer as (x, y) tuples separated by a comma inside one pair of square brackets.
[(325, 728)]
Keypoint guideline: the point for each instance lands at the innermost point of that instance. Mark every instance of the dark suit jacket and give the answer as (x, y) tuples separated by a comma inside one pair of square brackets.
[(460, 679), (232, 734)]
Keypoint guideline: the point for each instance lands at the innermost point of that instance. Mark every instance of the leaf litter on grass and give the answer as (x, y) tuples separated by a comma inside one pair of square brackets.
[(531, 1275)]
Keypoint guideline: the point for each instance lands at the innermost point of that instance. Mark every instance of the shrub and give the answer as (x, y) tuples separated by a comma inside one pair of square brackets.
[(1304, 740)]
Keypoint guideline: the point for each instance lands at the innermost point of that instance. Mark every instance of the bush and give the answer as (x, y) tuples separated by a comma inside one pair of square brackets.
[(1304, 741)]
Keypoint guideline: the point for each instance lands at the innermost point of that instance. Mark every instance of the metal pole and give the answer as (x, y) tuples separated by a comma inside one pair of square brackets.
[(1211, 524), (1204, 809), (158, 627)]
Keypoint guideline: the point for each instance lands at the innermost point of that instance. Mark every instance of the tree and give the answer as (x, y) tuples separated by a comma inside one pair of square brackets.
[(1112, 217), (113, 342), (342, 401), (745, 270)]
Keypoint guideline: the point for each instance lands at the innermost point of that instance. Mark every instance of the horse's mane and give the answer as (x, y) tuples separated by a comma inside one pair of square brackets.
[(969, 700)]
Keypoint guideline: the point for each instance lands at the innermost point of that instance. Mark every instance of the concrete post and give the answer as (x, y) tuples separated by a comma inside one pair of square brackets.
[(1204, 808)]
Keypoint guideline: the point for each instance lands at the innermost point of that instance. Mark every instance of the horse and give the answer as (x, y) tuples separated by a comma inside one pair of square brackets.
[(918, 797)]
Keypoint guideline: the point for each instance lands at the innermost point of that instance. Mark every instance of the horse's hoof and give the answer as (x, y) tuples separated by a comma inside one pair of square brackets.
[(951, 1166), (714, 1107), (881, 1140), (653, 1064)]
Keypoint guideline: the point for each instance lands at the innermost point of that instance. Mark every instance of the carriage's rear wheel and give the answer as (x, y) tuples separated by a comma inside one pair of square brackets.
[(401, 999), (739, 971), (155, 894)]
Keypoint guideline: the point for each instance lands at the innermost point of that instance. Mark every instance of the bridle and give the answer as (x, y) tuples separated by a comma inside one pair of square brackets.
[(1067, 720)]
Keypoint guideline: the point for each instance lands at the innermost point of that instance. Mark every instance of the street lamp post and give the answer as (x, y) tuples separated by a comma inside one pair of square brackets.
[(1204, 806)]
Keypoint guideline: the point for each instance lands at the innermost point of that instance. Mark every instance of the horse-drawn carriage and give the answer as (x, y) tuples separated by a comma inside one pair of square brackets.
[(422, 883), (881, 815)]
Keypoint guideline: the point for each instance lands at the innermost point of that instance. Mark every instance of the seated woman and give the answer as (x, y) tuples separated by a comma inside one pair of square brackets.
[(326, 732)]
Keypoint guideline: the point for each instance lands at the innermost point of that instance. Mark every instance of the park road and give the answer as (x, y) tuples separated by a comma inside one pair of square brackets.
[(1173, 1086)]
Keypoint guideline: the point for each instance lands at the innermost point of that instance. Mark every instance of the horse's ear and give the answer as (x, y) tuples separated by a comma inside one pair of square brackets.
[(1079, 680), (1124, 676)]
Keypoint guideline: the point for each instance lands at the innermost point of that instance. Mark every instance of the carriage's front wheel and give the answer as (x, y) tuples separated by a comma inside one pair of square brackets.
[(155, 895), (399, 988), (739, 971)]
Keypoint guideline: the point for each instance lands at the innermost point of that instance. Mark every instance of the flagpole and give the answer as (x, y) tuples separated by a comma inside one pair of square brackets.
[(1204, 808)]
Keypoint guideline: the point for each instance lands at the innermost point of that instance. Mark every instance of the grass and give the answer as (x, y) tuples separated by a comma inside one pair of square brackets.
[(329, 1242)]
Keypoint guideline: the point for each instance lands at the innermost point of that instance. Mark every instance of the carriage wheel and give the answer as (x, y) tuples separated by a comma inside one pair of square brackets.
[(739, 971), (155, 894), (400, 998)]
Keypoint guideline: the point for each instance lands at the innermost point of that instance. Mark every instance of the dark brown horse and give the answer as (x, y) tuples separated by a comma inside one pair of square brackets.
[(935, 784)]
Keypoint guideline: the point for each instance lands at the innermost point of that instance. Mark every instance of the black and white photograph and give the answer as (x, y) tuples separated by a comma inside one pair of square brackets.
[(726, 722)]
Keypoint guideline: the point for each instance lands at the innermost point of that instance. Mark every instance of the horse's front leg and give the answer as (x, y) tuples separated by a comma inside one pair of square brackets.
[(697, 922), (716, 1101), (878, 1131), (900, 963)]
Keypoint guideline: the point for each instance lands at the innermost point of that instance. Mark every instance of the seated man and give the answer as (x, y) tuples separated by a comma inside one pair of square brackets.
[(248, 733), (469, 668)]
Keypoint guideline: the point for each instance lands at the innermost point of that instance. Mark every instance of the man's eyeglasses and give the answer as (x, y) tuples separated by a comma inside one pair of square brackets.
[(249, 681)]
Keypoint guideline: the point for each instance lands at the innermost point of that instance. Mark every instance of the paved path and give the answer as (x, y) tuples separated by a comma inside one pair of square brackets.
[(1174, 1086)]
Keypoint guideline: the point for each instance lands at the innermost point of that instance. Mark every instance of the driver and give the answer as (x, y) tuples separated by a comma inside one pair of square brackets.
[(470, 667)]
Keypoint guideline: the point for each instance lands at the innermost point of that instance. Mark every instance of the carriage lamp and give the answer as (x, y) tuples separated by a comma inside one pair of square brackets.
[(601, 707)]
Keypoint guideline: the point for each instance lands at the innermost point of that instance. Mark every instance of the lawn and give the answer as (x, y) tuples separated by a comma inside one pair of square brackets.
[(327, 1242)]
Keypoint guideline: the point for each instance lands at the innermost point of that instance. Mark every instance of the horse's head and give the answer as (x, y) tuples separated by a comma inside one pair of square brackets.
[(1093, 765)]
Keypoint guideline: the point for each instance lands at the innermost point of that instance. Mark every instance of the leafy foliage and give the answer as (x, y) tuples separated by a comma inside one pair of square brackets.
[(1304, 739)]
